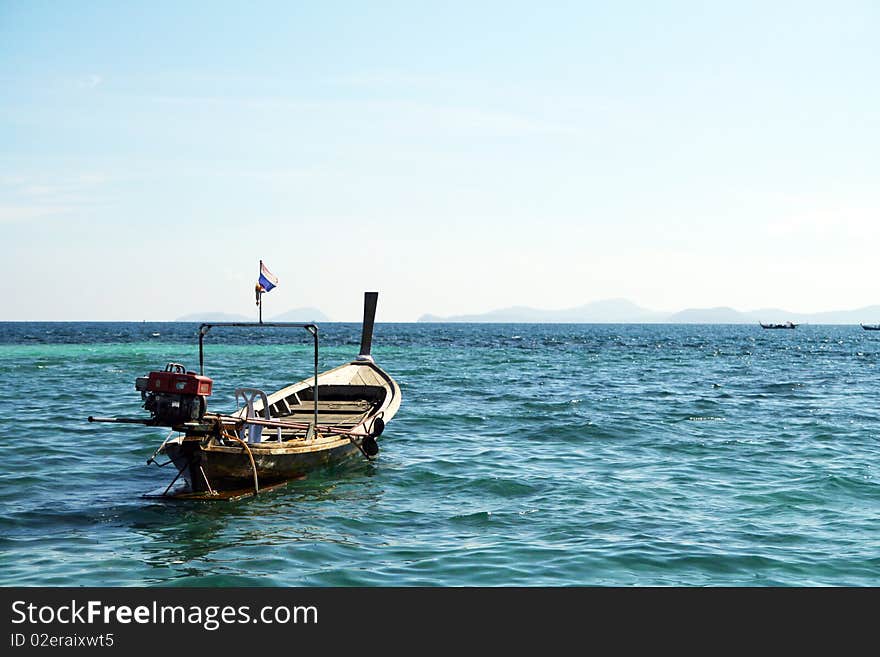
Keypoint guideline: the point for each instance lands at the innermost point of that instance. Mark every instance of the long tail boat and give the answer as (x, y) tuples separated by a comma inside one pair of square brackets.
[(871, 327), (786, 325), (272, 438)]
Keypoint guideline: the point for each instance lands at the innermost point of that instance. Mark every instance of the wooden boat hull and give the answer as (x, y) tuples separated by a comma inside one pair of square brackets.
[(210, 466)]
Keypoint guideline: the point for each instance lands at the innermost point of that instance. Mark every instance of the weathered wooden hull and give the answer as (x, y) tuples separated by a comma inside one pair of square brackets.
[(207, 467)]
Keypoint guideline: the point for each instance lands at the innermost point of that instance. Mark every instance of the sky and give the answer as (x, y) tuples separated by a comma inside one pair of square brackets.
[(458, 157)]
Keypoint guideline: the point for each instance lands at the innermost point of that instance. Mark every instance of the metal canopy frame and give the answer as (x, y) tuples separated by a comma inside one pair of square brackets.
[(311, 328)]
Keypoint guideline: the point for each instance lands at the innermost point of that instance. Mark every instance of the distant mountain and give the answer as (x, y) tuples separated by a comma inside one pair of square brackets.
[(866, 315), (301, 315), (614, 311), (720, 315), (214, 317), (606, 311), (295, 315)]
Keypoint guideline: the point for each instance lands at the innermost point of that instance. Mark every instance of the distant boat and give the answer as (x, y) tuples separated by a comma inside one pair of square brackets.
[(871, 327), (786, 325), (155, 335)]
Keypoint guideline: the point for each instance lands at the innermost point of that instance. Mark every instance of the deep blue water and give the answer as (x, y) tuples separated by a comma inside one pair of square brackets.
[(522, 455)]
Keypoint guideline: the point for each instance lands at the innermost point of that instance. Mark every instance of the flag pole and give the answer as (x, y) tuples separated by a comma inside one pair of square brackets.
[(259, 290), (265, 283)]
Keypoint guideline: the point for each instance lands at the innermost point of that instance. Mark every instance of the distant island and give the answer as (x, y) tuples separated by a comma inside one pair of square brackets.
[(213, 317), (622, 311), (606, 311), (295, 315), (301, 315)]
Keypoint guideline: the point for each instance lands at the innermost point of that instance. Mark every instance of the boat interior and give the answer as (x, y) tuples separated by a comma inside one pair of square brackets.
[(340, 405)]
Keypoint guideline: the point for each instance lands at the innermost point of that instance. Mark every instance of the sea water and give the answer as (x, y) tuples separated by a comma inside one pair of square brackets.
[(535, 455)]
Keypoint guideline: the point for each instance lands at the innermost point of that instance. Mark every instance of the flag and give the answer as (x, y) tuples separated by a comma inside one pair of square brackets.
[(267, 280)]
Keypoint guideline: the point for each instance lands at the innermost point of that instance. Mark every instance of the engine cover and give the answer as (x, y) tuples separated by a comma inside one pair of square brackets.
[(179, 382)]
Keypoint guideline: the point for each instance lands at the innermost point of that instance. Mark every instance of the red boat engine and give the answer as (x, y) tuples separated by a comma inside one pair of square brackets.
[(175, 396)]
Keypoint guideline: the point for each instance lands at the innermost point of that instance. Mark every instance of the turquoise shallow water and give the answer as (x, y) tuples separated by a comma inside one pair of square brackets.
[(522, 455)]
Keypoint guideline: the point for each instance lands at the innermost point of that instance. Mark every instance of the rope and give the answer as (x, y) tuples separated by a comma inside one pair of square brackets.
[(231, 436)]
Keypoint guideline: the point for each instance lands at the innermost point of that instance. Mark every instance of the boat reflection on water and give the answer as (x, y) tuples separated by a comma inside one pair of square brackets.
[(248, 543)]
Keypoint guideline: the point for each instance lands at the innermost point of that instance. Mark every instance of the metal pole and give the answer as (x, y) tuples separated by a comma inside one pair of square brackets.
[(260, 305), (315, 335), (177, 476), (311, 328)]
